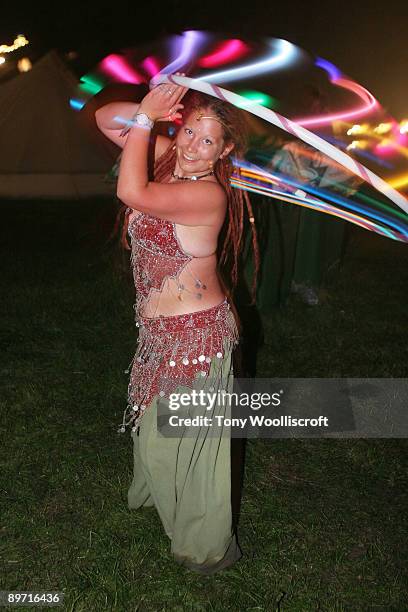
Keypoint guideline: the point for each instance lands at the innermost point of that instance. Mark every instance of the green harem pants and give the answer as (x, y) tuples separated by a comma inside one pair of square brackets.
[(188, 480)]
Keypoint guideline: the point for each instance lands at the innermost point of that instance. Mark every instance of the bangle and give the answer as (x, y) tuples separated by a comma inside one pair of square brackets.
[(140, 119)]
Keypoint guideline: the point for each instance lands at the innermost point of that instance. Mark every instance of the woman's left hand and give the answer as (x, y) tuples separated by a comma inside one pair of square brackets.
[(163, 102)]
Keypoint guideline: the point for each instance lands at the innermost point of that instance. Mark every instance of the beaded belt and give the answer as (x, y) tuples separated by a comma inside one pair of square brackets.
[(174, 351)]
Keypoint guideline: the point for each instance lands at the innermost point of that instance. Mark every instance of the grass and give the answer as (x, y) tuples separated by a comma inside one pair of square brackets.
[(323, 521)]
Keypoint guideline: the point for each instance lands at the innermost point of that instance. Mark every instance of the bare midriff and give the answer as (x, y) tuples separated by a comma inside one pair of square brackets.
[(173, 301)]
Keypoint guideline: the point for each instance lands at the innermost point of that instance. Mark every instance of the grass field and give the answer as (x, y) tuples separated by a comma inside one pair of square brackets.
[(323, 522)]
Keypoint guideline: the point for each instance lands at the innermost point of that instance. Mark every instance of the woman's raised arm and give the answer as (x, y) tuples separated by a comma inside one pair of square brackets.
[(112, 118), (112, 128)]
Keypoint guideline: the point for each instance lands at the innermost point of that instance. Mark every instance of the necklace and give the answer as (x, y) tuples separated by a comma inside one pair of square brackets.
[(190, 178)]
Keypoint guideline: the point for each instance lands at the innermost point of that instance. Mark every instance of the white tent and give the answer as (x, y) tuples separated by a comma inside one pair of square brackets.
[(45, 151)]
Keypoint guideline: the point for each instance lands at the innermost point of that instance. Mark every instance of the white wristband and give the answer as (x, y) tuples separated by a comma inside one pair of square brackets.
[(139, 119)]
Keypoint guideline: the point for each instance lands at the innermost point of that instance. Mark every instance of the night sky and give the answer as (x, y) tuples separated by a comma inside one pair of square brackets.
[(367, 40)]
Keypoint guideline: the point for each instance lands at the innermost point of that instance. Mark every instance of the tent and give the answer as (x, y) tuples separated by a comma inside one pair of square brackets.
[(46, 151)]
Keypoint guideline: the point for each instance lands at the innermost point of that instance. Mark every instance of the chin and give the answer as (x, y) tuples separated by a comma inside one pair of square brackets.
[(192, 168)]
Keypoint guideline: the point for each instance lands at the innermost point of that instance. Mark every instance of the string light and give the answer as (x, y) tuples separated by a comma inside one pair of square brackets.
[(358, 144), (20, 41), (383, 128), (381, 143), (357, 129)]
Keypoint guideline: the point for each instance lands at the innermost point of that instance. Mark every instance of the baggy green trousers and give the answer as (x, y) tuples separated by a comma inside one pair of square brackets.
[(188, 479)]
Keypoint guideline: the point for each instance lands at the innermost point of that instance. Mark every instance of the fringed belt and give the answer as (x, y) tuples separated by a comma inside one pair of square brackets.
[(173, 351)]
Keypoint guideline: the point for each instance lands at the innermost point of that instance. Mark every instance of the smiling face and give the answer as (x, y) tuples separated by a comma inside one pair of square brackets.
[(199, 144)]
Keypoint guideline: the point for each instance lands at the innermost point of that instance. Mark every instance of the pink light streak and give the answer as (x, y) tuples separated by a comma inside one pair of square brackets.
[(225, 53), (370, 104), (385, 149), (116, 66), (151, 66)]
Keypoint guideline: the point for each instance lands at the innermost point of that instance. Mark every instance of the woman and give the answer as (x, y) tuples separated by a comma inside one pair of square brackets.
[(187, 330)]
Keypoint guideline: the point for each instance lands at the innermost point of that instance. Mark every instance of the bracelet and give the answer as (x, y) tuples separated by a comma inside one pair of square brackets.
[(140, 119)]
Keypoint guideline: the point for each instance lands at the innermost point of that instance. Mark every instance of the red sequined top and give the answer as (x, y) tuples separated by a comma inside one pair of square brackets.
[(156, 254), (172, 350)]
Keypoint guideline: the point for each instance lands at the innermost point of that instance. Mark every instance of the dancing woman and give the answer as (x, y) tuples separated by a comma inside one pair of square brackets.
[(183, 225)]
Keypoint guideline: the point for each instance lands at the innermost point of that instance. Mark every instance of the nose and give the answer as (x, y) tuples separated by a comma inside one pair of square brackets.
[(192, 145)]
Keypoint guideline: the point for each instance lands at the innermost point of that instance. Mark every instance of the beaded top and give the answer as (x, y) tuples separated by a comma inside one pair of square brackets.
[(172, 350), (156, 254)]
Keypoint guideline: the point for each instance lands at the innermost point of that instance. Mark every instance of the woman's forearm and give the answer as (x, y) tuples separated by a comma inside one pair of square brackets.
[(115, 115), (133, 180), (133, 176)]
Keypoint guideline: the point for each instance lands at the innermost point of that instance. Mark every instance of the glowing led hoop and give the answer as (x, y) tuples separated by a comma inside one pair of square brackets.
[(228, 51), (292, 128), (189, 45), (286, 53), (336, 77), (370, 104)]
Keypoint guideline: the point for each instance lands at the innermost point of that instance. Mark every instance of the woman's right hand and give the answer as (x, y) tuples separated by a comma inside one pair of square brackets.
[(185, 89), (163, 102)]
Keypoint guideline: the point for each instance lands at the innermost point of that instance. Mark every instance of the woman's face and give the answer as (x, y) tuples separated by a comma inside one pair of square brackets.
[(199, 143)]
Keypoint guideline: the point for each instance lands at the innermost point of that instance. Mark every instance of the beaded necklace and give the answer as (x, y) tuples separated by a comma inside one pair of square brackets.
[(190, 178)]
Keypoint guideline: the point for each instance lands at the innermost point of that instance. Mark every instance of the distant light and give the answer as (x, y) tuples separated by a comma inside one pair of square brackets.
[(404, 126), (356, 129), (383, 128), (2, 60), (24, 65), (398, 182), (353, 145), (71, 55), (362, 144), (20, 41)]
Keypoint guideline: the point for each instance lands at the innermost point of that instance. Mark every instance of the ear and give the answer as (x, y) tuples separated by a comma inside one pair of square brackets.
[(227, 149)]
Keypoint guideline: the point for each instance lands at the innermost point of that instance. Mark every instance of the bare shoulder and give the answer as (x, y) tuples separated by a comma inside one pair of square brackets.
[(215, 199), (196, 203), (203, 191), (215, 191)]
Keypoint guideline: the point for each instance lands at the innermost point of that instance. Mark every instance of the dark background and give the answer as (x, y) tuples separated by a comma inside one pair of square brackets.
[(367, 40)]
